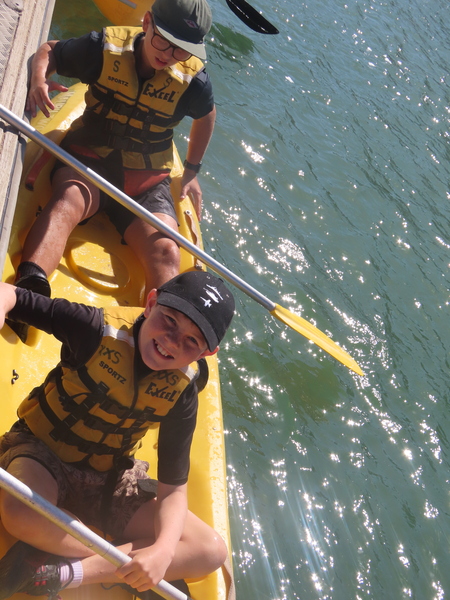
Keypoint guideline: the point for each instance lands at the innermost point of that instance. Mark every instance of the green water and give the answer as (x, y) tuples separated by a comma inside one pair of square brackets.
[(327, 188)]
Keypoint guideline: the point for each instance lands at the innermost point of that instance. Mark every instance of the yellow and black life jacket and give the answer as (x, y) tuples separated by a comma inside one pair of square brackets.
[(99, 412), (127, 114)]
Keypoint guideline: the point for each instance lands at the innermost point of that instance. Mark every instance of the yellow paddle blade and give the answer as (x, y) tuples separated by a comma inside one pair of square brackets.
[(318, 337)]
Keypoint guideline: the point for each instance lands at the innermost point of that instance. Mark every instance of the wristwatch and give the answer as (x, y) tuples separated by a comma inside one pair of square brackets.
[(196, 168)]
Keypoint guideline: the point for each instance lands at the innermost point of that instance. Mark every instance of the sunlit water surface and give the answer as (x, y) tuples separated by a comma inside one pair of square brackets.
[(327, 188)]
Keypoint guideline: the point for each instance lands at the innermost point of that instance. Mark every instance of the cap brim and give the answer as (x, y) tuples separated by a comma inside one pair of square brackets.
[(185, 307), (197, 50)]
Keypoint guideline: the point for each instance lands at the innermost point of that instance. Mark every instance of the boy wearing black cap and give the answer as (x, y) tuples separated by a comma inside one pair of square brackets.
[(121, 371), (142, 83)]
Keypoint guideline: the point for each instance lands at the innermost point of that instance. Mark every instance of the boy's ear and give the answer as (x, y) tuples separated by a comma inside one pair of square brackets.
[(146, 21), (151, 301), (209, 352)]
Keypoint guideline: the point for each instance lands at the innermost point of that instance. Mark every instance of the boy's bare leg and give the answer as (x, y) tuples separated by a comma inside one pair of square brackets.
[(158, 254), (73, 199), (200, 551)]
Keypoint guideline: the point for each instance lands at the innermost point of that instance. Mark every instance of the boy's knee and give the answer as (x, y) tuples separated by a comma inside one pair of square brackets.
[(70, 209), (168, 249), (163, 263), (215, 551), (221, 552)]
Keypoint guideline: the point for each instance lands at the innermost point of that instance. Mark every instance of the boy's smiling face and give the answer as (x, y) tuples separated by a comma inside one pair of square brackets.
[(150, 56), (168, 339)]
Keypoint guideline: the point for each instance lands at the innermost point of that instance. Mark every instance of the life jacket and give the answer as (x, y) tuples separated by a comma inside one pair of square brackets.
[(99, 412), (127, 114)]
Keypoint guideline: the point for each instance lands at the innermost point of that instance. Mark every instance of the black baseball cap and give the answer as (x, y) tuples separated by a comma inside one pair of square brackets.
[(183, 23), (204, 299)]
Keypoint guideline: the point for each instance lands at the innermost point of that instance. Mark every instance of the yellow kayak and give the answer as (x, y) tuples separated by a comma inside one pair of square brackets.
[(98, 270), (124, 12)]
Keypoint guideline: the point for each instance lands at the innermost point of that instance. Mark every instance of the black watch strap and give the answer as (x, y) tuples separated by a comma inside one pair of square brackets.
[(192, 167)]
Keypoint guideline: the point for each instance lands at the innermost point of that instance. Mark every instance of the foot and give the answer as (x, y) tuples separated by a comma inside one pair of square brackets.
[(30, 571), (36, 283)]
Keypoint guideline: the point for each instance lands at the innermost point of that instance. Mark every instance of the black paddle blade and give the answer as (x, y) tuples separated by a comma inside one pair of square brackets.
[(251, 17)]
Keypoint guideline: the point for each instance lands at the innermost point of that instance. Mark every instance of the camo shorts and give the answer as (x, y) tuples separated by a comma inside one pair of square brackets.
[(80, 489)]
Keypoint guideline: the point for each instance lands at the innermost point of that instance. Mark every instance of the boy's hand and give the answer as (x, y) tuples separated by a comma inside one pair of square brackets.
[(190, 185), (146, 568), (7, 300), (39, 96)]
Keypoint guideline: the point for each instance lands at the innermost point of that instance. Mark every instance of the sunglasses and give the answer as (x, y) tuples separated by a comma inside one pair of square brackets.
[(160, 43)]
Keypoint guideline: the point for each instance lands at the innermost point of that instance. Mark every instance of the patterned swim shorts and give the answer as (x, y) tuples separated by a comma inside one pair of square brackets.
[(80, 489)]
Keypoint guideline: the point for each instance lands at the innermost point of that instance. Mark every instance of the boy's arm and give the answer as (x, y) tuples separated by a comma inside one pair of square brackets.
[(7, 300), (149, 565), (199, 137), (42, 67), (170, 518), (77, 326)]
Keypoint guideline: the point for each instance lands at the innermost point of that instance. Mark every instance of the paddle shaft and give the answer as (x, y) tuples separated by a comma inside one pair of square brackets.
[(77, 530), (133, 206)]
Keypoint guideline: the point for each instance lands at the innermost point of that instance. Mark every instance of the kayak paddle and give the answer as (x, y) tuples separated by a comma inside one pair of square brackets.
[(282, 314), (251, 17)]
